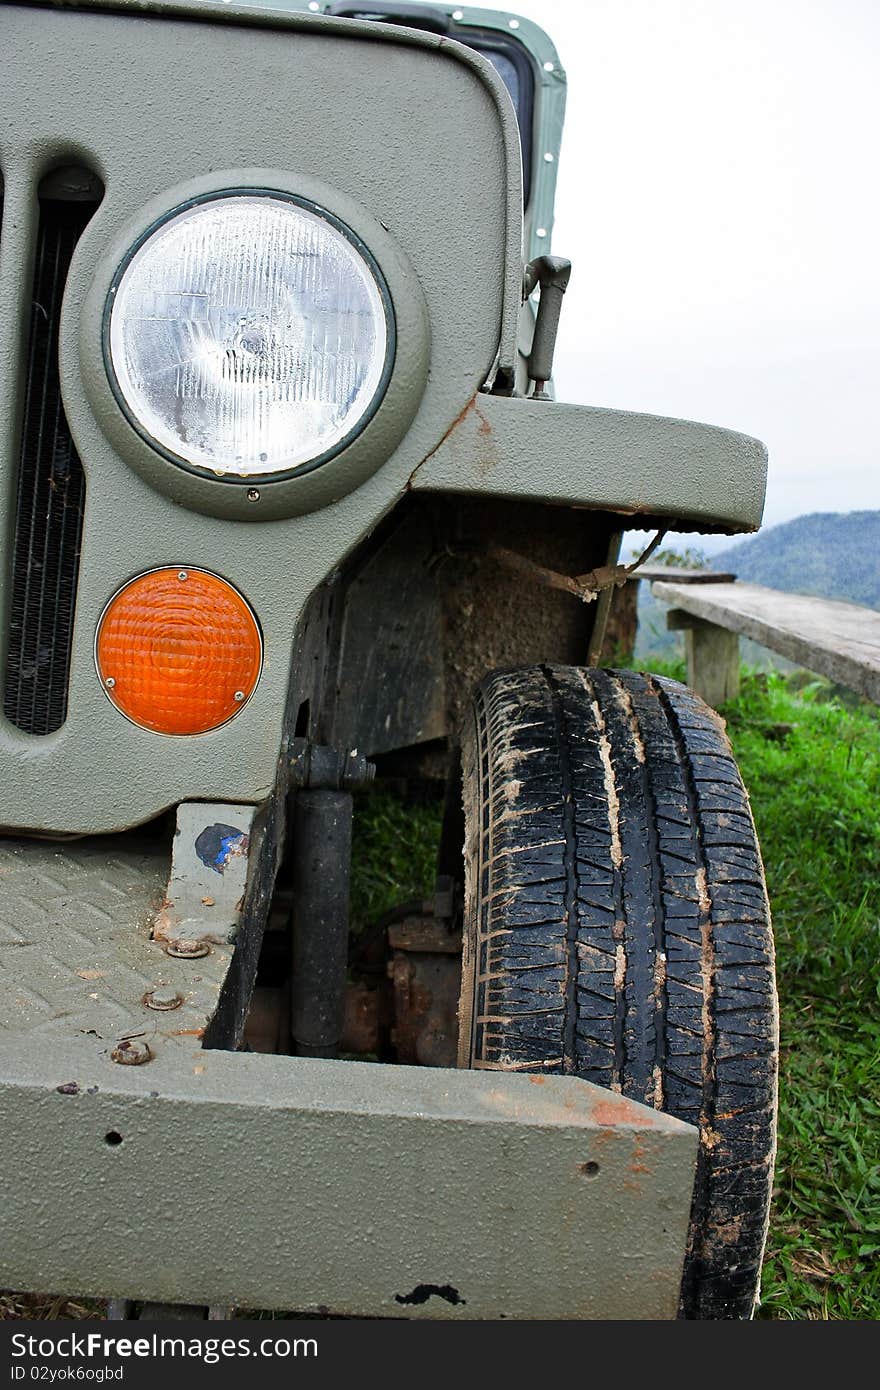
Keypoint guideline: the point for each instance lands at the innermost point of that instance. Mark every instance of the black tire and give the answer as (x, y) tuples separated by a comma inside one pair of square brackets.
[(617, 928)]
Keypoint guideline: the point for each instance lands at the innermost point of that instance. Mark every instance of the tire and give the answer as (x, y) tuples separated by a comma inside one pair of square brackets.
[(616, 927)]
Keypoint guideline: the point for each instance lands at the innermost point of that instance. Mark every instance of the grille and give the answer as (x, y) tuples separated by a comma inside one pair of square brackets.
[(50, 498)]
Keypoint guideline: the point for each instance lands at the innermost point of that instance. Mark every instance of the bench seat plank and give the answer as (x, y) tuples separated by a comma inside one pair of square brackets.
[(837, 640)]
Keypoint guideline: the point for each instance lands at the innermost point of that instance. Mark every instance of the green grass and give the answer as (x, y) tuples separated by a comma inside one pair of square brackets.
[(812, 767), (811, 761), (394, 853)]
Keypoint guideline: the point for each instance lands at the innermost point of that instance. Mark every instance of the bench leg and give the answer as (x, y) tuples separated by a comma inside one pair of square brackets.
[(712, 662)]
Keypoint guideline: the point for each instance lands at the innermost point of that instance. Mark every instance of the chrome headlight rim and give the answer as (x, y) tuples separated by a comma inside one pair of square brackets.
[(271, 478)]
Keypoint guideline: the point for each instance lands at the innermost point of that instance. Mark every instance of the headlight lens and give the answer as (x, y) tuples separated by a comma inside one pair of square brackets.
[(250, 335)]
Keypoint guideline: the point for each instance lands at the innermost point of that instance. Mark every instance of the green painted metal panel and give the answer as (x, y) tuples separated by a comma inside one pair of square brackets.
[(84, 929), (641, 466), (433, 176), (289, 1183), (183, 101)]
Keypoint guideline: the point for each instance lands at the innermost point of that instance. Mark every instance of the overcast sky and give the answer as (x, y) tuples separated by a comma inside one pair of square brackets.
[(719, 192)]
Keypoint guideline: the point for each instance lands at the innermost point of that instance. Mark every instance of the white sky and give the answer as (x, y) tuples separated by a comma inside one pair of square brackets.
[(719, 196)]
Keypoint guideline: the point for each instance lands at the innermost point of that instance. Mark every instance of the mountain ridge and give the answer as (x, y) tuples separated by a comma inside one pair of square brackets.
[(831, 554)]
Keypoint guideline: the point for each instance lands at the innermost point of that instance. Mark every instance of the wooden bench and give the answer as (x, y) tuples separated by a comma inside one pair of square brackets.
[(837, 640)]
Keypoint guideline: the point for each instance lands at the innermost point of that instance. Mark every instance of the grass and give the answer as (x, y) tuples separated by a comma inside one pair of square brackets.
[(812, 767), (810, 758), (46, 1306), (394, 853)]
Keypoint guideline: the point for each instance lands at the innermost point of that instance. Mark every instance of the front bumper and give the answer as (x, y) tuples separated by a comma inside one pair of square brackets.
[(216, 1177)]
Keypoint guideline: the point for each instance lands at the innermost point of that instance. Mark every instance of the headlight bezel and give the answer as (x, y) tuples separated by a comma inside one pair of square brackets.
[(312, 485), (269, 477)]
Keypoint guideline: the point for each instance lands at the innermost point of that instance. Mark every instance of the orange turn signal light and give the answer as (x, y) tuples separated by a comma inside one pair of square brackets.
[(178, 651)]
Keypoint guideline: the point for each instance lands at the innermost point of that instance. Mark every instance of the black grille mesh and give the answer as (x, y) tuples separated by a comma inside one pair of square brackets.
[(50, 500)]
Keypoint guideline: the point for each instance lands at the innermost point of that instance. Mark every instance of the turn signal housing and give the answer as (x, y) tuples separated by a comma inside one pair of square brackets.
[(178, 651)]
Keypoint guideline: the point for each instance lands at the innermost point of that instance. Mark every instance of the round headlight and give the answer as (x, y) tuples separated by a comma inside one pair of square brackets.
[(249, 335)]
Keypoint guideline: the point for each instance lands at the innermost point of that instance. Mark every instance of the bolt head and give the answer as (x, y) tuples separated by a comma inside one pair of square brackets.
[(238, 696), (182, 574), (187, 950), (131, 1052), (253, 494), (110, 682), (163, 997)]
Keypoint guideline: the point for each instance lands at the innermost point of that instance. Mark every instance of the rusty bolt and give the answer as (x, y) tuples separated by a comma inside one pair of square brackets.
[(163, 997), (131, 1052), (187, 950)]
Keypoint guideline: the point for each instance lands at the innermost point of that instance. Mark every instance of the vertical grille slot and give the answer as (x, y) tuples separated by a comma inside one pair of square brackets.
[(51, 483)]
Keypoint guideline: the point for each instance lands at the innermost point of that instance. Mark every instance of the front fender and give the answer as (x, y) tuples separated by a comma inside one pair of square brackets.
[(678, 473)]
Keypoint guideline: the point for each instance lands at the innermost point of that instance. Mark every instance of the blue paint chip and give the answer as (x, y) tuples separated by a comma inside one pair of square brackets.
[(217, 844)]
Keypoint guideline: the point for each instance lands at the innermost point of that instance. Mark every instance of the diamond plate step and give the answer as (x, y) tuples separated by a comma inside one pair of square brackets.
[(77, 958)]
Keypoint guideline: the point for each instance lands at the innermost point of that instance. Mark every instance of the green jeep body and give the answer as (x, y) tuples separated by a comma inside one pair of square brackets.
[(375, 580)]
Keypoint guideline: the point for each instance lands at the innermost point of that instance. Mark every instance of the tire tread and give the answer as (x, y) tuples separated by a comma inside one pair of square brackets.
[(619, 929)]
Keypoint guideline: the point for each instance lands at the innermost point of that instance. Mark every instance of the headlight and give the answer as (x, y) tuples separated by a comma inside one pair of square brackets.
[(249, 334)]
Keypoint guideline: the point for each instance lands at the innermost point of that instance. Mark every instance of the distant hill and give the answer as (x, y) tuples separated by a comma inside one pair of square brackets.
[(833, 554)]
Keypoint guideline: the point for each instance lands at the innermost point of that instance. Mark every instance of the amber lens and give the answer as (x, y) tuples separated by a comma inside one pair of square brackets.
[(178, 651)]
